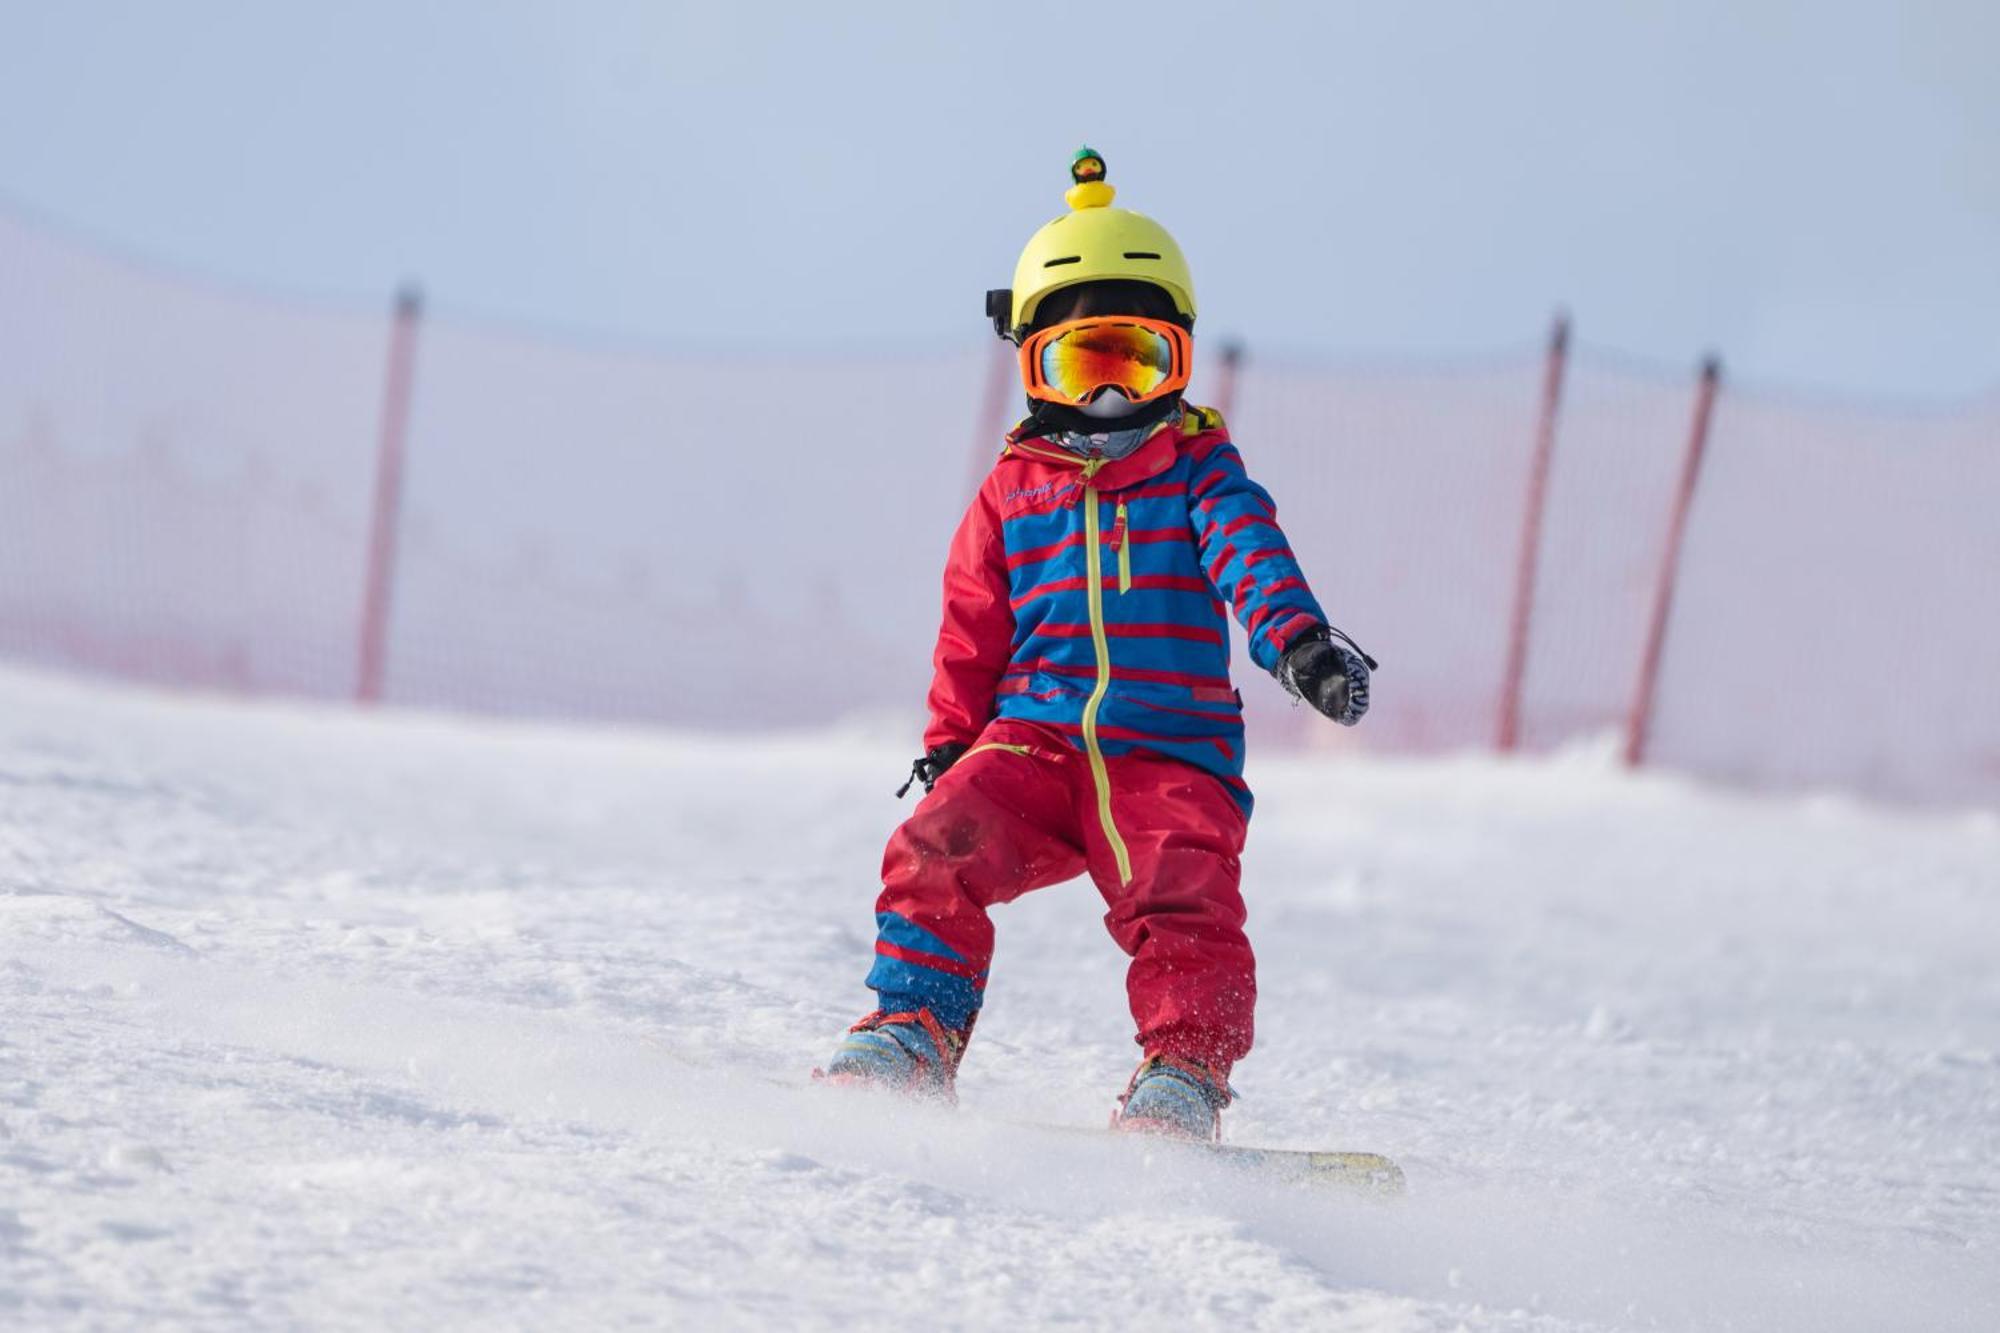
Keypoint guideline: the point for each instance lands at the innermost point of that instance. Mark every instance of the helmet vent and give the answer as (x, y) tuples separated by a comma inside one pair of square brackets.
[(1072, 259), (1142, 254)]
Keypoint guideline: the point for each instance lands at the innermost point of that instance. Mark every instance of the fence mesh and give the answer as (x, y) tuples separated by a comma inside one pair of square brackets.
[(1401, 491), (184, 474), (702, 540), (1623, 433), (1836, 614), (187, 474)]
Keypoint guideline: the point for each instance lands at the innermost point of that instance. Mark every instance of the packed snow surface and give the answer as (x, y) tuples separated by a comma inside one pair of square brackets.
[(310, 1019)]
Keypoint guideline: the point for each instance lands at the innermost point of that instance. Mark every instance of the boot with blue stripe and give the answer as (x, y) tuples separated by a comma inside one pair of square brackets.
[(908, 1053), (1180, 1099)]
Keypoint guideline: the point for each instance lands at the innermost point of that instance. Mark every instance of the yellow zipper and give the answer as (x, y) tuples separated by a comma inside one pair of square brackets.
[(1122, 539), (1094, 582)]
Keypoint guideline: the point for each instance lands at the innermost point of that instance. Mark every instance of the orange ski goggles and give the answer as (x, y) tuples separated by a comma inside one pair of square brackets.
[(1072, 362)]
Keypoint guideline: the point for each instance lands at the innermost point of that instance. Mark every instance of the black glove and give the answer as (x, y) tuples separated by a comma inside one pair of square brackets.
[(931, 767), (1331, 676)]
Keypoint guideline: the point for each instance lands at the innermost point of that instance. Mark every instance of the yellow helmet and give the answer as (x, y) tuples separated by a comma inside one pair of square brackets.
[(1093, 242)]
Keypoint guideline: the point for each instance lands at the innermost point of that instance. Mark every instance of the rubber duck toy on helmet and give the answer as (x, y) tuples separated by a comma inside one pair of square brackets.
[(1102, 308)]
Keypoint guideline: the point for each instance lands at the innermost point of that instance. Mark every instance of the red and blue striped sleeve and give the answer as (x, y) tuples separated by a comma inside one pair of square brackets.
[(1247, 556), (977, 636)]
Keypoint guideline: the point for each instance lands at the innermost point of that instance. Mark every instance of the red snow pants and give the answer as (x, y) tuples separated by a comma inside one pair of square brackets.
[(1019, 812)]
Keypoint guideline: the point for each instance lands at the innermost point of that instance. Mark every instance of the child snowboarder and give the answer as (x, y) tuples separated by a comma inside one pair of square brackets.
[(1082, 716)]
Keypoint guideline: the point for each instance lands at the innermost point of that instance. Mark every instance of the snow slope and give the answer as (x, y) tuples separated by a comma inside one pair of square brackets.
[(308, 1019)]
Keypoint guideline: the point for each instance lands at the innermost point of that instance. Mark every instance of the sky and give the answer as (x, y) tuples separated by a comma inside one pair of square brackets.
[(1810, 189)]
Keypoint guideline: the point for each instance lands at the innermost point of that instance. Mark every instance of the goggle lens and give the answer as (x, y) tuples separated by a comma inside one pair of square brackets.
[(1121, 356), (1073, 362)]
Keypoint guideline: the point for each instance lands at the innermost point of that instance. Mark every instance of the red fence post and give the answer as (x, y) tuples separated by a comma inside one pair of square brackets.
[(1639, 721), (390, 447), (1528, 560), (1225, 383)]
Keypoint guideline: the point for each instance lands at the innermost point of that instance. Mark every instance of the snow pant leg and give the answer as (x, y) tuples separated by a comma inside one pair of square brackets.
[(1193, 978), (998, 824)]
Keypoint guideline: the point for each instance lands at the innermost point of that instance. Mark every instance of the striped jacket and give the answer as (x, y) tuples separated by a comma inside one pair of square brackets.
[(1092, 597)]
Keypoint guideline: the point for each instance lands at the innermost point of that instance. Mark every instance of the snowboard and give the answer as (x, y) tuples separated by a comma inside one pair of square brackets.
[(1351, 1172), (1361, 1172)]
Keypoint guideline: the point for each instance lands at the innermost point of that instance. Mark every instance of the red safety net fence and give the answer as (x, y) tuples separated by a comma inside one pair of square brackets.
[(214, 489)]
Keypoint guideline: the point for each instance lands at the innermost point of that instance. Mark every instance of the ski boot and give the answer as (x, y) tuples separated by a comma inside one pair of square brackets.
[(913, 1054), (1180, 1099)]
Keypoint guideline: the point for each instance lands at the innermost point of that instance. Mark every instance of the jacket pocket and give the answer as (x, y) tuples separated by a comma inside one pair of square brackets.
[(1026, 751), (1122, 544)]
